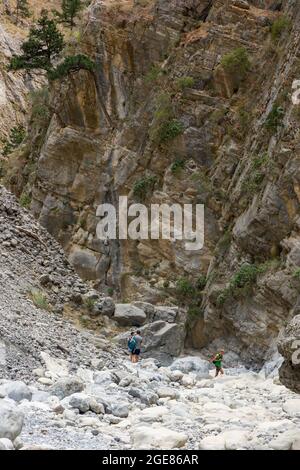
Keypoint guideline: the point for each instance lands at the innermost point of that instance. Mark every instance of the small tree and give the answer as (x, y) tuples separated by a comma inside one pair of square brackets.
[(22, 9), (43, 45), (70, 10)]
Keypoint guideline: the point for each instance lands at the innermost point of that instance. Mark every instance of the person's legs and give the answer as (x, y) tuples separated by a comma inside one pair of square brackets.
[(217, 371), (222, 371)]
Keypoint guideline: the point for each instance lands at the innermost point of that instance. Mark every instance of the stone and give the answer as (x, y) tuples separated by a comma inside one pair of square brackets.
[(6, 444), (212, 443), (67, 386), (157, 438), (81, 401), (17, 391), (120, 410), (56, 367), (11, 421), (166, 392), (105, 306), (192, 364), (129, 315), (292, 407)]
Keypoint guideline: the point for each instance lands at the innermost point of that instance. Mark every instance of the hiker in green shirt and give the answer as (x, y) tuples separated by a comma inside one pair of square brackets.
[(217, 361)]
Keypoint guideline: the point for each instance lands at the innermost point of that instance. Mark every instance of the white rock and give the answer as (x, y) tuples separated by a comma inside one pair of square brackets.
[(212, 443), (6, 444), (167, 392), (292, 407), (57, 367), (45, 381), (11, 421), (285, 441), (157, 437)]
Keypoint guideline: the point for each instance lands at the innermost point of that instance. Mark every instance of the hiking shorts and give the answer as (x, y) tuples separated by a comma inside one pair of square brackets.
[(137, 352)]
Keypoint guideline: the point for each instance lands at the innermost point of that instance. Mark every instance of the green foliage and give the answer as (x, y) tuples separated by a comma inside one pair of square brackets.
[(240, 282), (110, 291), (185, 82), (279, 26), (39, 299), (25, 200), (168, 130), (225, 241), (253, 183), (16, 137), (22, 9), (296, 273), (177, 166), (275, 117), (201, 282), (71, 64), (246, 275), (153, 75), (43, 45), (89, 304), (237, 62), (69, 11), (144, 186), (184, 288)]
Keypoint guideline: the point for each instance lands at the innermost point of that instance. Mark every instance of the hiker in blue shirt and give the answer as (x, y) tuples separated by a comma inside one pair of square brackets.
[(131, 345)]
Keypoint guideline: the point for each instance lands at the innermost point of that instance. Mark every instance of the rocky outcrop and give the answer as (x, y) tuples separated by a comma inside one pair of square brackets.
[(289, 347)]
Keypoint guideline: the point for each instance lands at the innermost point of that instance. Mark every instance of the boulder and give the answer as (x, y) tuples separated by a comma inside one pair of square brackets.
[(146, 396), (161, 340), (11, 421), (67, 386), (289, 348), (120, 410), (157, 438), (292, 407), (81, 401), (17, 391), (167, 392), (104, 306), (192, 364), (6, 444), (129, 315)]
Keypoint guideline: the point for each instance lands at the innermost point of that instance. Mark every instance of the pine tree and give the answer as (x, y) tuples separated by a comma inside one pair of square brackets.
[(70, 10), (22, 9), (43, 45)]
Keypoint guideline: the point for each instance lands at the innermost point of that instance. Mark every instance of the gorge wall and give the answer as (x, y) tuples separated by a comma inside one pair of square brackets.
[(235, 149)]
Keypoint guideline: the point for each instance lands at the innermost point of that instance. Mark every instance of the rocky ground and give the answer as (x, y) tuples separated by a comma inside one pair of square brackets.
[(146, 406)]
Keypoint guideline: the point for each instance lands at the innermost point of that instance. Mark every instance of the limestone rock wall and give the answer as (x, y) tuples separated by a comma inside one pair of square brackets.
[(101, 141)]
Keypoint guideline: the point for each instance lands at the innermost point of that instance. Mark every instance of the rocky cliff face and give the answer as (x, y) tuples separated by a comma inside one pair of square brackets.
[(235, 149)]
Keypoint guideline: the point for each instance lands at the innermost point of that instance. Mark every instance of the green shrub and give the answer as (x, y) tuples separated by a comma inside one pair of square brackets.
[(253, 183), (177, 166), (185, 82), (237, 62), (279, 26), (169, 130), (246, 275), (110, 291), (275, 117), (223, 296), (296, 273), (184, 288), (89, 304), (40, 300), (16, 136), (71, 64), (201, 282), (25, 200), (144, 186), (153, 75)]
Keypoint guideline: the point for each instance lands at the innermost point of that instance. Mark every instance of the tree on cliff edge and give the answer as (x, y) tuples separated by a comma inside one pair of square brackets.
[(43, 45), (70, 10)]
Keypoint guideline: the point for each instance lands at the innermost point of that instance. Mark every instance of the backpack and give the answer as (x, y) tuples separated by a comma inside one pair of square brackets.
[(131, 344)]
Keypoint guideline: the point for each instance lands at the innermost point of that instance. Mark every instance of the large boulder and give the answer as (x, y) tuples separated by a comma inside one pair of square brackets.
[(11, 421), (129, 315), (17, 391), (157, 438), (192, 364), (104, 306), (289, 347), (161, 340), (67, 386), (80, 401)]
